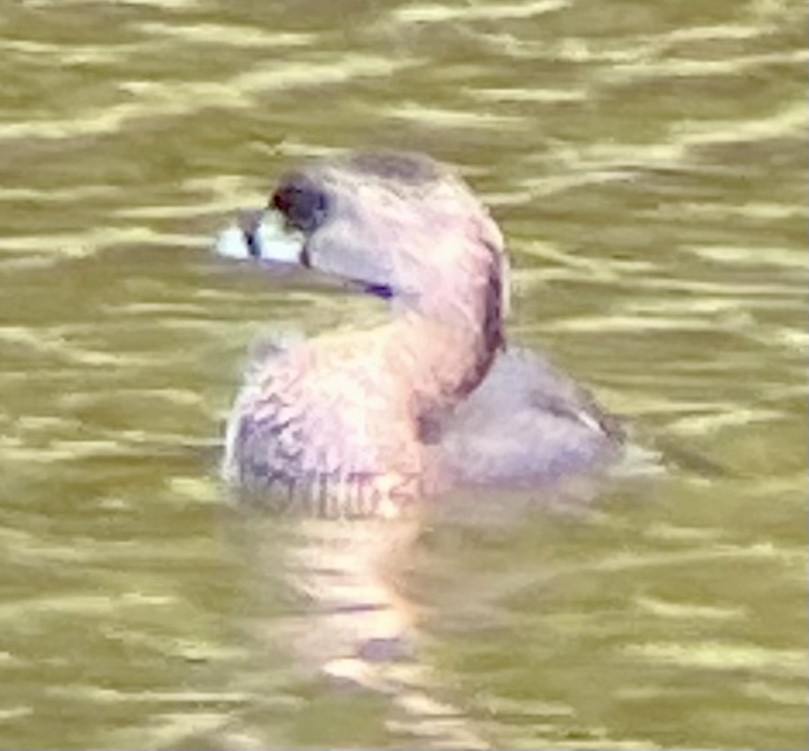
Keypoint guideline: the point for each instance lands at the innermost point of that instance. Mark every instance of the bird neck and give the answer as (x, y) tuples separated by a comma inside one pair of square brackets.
[(448, 344)]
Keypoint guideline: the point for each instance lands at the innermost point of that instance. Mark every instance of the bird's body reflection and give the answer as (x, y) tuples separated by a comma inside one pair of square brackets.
[(348, 625)]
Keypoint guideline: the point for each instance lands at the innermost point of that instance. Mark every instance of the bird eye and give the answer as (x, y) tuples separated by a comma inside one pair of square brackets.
[(302, 203)]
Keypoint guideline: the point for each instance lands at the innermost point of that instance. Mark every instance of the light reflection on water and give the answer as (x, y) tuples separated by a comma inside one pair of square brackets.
[(647, 164)]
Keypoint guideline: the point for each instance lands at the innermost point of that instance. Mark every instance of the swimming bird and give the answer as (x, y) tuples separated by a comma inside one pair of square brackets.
[(432, 400)]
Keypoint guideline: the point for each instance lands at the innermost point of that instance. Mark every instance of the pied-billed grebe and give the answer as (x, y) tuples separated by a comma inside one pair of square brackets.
[(431, 400)]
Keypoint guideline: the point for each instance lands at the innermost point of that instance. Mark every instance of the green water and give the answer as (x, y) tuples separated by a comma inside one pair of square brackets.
[(647, 162)]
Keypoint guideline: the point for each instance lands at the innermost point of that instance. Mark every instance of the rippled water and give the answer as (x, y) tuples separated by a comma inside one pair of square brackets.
[(648, 164)]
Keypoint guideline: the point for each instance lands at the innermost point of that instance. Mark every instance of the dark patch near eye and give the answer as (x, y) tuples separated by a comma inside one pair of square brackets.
[(301, 201), (408, 168)]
